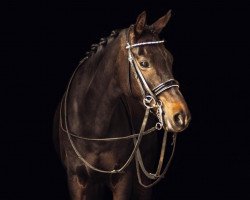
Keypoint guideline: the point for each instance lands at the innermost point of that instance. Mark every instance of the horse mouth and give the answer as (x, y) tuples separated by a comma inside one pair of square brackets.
[(176, 123)]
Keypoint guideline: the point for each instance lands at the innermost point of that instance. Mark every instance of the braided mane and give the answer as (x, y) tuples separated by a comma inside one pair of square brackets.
[(103, 42)]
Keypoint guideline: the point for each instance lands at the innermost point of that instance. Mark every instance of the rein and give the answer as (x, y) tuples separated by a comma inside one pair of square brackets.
[(150, 101)]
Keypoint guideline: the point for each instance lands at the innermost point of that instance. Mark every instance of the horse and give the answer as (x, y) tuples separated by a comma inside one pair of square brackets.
[(97, 125)]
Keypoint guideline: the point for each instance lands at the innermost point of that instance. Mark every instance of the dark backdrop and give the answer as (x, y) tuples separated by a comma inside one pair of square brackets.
[(42, 43)]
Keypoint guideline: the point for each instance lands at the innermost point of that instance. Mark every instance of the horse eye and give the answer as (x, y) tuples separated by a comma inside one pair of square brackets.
[(144, 64)]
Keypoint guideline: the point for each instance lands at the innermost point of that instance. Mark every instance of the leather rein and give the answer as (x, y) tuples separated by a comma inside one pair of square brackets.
[(150, 101)]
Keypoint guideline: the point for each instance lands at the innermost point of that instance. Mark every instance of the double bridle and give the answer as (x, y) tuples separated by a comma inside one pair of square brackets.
[(150, 101)]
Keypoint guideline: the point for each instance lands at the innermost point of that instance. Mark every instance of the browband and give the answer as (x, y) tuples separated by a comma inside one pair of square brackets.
[(130, 46)]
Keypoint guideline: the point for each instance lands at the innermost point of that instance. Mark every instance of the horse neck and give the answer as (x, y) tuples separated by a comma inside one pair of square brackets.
[(94, 94)]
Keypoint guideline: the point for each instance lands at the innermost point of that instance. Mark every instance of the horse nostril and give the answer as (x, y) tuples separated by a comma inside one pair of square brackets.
[(179, 119)]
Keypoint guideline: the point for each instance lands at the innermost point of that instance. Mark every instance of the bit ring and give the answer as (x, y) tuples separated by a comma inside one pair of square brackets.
[(148, 100)]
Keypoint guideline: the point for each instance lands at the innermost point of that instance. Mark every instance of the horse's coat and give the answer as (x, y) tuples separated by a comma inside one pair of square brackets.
[(99, 93)]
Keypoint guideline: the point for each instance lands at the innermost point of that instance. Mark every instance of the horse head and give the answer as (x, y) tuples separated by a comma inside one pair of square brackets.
[(153, 80)]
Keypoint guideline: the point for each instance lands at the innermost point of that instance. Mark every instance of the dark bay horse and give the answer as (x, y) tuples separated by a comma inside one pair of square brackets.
[(120, 77)]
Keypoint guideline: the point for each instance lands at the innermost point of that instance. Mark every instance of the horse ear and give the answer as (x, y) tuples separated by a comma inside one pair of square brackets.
[(161, 23), (140, 23)]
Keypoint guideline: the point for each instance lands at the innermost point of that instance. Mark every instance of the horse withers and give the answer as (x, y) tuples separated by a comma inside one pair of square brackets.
[(100, 131)]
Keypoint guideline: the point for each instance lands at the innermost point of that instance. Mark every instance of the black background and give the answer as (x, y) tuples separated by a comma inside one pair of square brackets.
[(42, 43)]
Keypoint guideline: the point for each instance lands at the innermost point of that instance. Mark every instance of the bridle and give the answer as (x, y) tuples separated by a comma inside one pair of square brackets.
[(150, 101)]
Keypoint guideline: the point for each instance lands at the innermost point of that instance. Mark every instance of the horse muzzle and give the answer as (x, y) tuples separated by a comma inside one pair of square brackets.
[(178, 123), (176, 115)]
